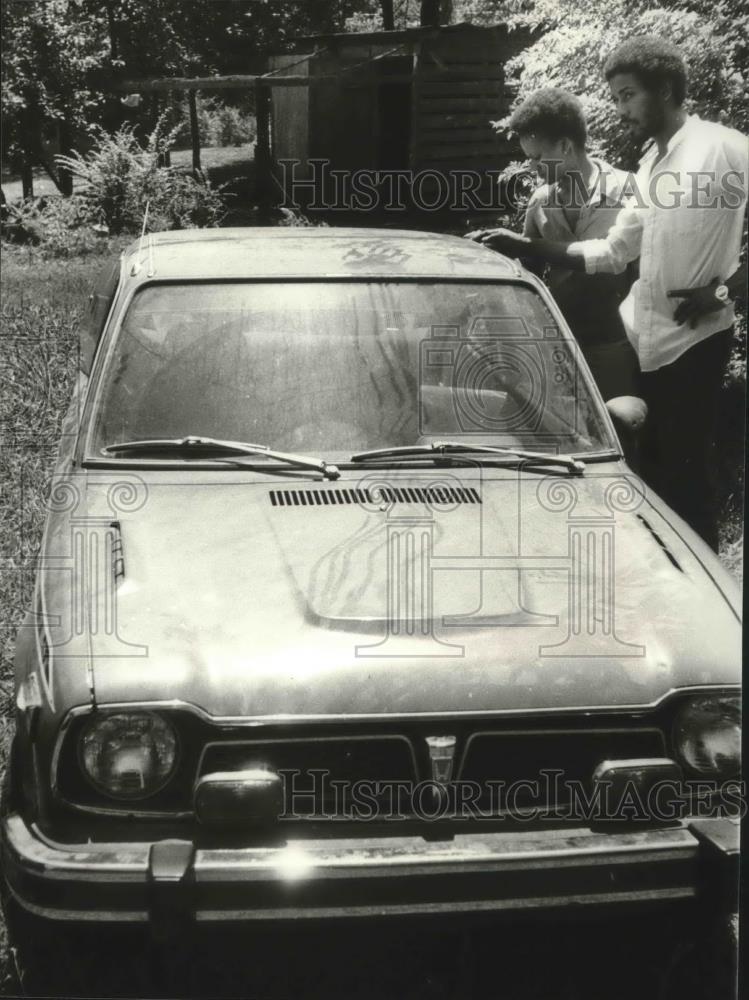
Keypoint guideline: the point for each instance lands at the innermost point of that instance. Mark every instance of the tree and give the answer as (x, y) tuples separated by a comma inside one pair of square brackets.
[(61, 56), (50, 47), (435, 12), (576, 37)]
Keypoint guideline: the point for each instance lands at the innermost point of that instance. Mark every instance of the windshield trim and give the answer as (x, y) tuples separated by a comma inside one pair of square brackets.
[(84, 453)]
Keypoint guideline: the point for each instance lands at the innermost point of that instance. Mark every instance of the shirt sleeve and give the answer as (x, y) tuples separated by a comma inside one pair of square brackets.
[(530, 223), (736, 154), (619, 247)]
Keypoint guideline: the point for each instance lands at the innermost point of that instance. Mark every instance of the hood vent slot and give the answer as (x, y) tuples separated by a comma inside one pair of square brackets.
[(118, 557), (435, 495), (664, 548)]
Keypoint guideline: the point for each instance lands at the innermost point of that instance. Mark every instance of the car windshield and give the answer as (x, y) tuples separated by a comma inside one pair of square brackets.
[(331, 368)]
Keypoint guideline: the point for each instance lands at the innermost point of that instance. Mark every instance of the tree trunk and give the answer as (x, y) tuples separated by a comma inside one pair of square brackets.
[(388, 17), (112, 23), (27, 150), (430, 13), (27, 180)]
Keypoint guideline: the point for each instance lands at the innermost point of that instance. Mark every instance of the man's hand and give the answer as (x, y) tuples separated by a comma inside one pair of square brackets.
[(697, 302), (502, 240)]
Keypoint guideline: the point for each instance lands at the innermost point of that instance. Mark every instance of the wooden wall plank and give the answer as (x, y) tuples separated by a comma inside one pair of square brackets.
[(429, 121), (491, 106), (478, 88), (290, 114), (445, 136), (462, 151), (462, 71)]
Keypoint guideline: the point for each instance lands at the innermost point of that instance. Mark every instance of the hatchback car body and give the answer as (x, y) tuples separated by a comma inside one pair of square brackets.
[(349, 603)]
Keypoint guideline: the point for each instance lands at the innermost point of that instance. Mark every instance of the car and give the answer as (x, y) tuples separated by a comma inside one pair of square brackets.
[(349, 602)]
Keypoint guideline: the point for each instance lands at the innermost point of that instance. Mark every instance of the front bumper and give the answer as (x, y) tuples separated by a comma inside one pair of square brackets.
[(368, 877)]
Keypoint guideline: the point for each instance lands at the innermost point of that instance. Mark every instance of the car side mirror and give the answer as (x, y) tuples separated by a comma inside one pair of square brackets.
[(628, 414)]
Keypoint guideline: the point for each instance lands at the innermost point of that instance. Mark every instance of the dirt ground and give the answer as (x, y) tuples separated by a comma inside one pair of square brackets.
[(596, 958)]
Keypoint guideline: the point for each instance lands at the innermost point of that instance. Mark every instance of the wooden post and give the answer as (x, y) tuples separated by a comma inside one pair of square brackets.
[(192, 100), (27, 145), (65, 144), (429, 13), (388, 16), (27, 180), (162, 158), (262, 143)]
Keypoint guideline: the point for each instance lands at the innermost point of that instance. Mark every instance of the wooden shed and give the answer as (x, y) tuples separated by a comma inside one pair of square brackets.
[(419, 100)]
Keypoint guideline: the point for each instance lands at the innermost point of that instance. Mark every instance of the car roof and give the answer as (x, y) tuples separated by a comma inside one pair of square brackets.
[(314, 251)]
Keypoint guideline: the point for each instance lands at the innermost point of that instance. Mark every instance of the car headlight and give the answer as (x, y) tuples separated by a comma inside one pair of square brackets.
[(130, 755), (707, 736)]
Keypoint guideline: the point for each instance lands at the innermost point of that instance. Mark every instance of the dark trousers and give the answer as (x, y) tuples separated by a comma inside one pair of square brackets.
[(678, 446)]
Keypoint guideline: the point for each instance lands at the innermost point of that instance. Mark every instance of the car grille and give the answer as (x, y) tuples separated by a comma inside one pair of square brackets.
[(324, 763), (554, 762), (320, 775)]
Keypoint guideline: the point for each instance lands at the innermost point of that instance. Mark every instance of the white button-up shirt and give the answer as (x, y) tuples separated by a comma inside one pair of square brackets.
[(684, 220)]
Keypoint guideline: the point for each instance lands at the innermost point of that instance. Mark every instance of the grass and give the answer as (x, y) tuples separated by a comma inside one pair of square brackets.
[(39, 316), (42, 306)]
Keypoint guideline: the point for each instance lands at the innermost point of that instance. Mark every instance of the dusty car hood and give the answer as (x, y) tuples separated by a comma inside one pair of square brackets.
[(249, 607)]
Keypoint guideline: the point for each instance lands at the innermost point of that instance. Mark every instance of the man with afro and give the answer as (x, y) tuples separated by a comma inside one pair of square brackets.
[(580, 198)]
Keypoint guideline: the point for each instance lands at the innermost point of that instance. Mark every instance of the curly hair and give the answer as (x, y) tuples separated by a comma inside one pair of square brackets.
[(653, 61), (552, 113)]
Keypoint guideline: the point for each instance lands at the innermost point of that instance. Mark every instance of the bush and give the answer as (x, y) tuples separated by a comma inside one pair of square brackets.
[(121, 177), (224, 125), (58, 226), (577, 38)]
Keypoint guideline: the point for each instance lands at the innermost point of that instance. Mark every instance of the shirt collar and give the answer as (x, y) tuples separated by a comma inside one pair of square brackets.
[(607, 188), (679, 135)]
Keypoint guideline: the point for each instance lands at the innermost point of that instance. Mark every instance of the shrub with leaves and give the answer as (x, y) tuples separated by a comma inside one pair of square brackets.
[(120, 177), (58, 226), (578, 36), (223, 124)]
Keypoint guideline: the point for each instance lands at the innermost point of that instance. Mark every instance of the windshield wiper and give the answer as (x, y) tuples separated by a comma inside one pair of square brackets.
[(439, 448), (230, 447)]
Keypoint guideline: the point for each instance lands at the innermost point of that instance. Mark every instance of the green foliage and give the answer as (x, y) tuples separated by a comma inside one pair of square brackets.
[(578, 36), (60, 57), (51, 46), (58, 226), (222, 124), (120, 178)]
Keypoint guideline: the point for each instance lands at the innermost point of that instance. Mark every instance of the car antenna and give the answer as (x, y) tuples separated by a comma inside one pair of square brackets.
[(138, 264)]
